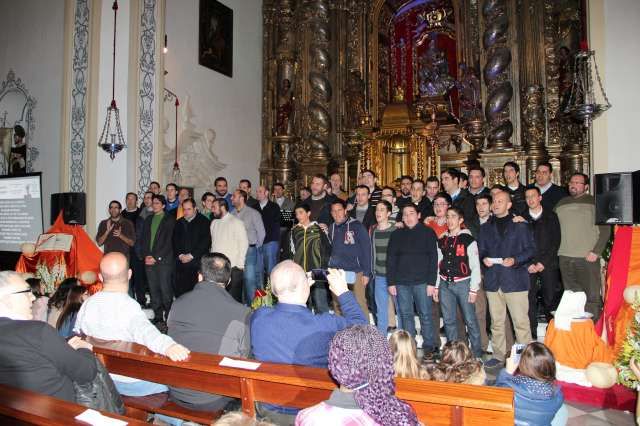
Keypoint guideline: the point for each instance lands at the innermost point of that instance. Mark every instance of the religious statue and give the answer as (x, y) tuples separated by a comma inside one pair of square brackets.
[(284, 119), (434, 73), (468, 87), (355, 100)]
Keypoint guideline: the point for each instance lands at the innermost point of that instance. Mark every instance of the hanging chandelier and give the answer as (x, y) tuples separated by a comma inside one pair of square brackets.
[(111, 139), (175, 175), (582, 104)]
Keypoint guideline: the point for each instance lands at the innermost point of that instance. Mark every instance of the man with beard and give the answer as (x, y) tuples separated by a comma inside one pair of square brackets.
[(116, 233)]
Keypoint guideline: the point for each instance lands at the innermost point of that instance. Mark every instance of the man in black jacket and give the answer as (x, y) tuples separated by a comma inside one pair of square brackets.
[(157, 251), (191, 240), (551, 193), (32, 354), (511, 173), (412, 267), (209, 320), (460, 198), (423, 205), (543, 270), (269, 253), (363, 211)]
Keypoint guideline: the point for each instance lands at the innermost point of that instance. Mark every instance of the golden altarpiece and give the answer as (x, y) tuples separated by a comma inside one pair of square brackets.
[(411, 87)]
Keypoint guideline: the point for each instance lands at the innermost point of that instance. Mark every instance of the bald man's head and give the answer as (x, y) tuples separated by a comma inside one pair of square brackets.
[(501, 204), (114, 270), (289, 282)]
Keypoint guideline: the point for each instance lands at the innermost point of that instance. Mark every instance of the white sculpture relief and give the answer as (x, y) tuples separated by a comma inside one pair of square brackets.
[(199, 164)]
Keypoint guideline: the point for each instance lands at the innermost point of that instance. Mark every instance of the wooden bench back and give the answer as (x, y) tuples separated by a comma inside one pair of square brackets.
[(436, 403), (24, 407)]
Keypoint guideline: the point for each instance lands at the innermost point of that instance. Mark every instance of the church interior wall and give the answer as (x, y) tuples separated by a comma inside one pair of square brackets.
[(615, 35), (231, 107), (31, 34)]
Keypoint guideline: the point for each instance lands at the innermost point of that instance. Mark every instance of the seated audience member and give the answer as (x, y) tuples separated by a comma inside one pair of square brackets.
[(405, 362), (32, 355), (209, 320), (67, 319), (56, 302), (537, 399), (361, 362), (289, 333), (112, 315), (458, 279), (39, 307), (457, 365)]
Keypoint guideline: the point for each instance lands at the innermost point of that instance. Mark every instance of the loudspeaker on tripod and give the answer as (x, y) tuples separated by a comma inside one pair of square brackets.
[(617, 198), (73, 206)]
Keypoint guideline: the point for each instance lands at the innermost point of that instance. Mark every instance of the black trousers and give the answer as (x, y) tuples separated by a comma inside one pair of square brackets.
[(186, 277), (236, 286), (139, 278), (548, 282), (159, 277)]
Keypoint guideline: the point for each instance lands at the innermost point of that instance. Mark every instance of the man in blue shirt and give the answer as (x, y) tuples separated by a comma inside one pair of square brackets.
[(290, 333)]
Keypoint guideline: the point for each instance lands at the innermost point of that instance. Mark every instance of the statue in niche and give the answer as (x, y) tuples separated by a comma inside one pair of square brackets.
[(468, 86), (284, 119), (199, 164), (434, 75), (355, 100)]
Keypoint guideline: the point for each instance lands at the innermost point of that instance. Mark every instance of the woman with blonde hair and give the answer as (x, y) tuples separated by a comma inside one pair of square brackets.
[(405, 362), (457, 365)]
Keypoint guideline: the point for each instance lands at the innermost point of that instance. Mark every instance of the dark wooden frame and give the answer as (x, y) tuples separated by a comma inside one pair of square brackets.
[(215, 48)]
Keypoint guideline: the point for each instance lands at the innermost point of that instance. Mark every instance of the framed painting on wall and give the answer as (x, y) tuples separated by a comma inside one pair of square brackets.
[(215, 48)]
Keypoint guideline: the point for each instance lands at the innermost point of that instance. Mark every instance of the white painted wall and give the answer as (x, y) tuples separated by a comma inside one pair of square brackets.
[(111, 176), (229, 106), (31, 43), (615, 36)]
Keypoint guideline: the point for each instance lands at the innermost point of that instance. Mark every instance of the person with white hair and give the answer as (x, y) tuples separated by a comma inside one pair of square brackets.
[(289, 333), (32, 354)]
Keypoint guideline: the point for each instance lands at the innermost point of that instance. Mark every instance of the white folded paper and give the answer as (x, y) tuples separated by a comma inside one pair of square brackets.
[(96, 418), (496, 260), (571, 307), (245, 365)]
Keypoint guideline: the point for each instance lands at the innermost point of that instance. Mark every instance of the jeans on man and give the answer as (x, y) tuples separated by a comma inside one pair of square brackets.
[(382, 303), (139, 387), (407, 296), (251, 274), (320, 297), (270, 256), (452, 295), (161, 289)]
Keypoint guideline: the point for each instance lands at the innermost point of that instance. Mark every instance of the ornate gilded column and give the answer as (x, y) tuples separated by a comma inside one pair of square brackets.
[(496, 72), (533, 127), (552, 80), (319, 118)]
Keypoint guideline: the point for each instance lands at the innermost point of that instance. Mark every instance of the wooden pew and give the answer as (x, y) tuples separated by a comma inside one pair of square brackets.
[(24, 407), (436, 403)]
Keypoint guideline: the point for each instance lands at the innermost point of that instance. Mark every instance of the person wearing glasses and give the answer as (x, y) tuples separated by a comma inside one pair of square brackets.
[(116, 233), (32, 354)]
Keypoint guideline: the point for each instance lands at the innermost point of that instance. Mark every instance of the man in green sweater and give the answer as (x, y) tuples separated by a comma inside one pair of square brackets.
[(582, 243)]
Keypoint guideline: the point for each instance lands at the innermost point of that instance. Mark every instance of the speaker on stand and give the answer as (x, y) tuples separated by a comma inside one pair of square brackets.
[(617, 198), (73, 206)]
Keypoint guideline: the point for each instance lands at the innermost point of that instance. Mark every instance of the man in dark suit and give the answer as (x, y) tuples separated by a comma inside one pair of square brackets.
[(544, 268), (506, 249), (460, 198), (157, 251), (191, 240), (551, 193)]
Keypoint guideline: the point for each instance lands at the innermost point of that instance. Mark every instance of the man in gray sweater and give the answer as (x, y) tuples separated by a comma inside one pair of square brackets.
[(582, 243), (209, 320)]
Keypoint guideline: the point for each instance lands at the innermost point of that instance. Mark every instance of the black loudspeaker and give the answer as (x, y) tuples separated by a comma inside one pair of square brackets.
[(73, 206), (618, 198)]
